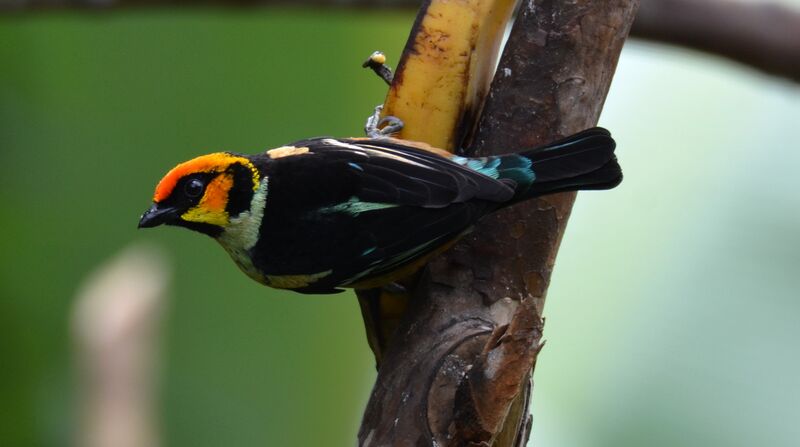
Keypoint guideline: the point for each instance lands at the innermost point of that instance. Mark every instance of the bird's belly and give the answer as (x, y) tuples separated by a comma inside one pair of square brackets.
[(402, 271)]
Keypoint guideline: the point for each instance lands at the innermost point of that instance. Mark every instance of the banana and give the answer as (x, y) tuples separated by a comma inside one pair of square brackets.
[(438, 90), (446, 68)]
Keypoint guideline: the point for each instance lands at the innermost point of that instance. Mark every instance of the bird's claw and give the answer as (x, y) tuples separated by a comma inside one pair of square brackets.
[(377, 127)]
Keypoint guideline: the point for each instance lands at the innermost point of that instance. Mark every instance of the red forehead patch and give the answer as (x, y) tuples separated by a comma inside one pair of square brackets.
[(216, 162)]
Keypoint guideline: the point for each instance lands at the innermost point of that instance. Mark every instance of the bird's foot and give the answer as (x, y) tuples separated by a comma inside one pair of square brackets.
[(377, 127)]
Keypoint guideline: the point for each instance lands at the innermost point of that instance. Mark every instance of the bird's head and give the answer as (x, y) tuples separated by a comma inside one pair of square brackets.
[(204, 194)]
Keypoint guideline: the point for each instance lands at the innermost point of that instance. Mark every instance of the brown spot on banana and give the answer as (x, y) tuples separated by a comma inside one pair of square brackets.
[(446, 69)]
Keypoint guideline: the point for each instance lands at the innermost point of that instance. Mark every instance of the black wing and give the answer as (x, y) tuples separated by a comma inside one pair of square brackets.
[(360, 208), (394, 172)]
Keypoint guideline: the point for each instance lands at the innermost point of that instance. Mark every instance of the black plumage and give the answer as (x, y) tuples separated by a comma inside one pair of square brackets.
[(356, 209), (327, 213)]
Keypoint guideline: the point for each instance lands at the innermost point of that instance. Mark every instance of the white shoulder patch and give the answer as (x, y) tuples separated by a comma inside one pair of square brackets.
[(287, 151), (335, 142)]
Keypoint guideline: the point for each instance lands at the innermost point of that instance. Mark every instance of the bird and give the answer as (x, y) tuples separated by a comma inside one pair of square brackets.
[(323, 214)]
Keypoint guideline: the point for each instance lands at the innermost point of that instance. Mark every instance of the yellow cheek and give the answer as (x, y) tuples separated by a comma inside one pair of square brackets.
[(201, 215), (211, 208)]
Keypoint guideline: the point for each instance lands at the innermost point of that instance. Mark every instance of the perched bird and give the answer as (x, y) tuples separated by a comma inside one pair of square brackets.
[(324, 213)]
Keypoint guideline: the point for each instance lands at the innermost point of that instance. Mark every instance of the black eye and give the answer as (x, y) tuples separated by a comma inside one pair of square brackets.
[(194, 188)]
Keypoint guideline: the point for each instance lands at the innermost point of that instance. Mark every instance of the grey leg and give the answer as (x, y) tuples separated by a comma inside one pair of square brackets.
[(391, 124)]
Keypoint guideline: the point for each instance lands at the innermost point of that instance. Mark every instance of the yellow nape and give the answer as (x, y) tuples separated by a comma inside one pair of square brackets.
[(295, 281)]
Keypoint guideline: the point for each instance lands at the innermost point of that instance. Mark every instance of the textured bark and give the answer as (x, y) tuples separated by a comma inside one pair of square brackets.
[(458, 368)]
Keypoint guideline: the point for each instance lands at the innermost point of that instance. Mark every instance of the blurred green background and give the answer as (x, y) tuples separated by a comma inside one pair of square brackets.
[(672, 318)]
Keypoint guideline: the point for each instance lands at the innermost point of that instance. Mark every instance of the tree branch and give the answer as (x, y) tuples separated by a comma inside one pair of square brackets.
[(762, 35), (457, 370)]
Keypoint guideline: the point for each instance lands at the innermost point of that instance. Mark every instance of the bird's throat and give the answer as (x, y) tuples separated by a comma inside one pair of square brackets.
[(242, 233)]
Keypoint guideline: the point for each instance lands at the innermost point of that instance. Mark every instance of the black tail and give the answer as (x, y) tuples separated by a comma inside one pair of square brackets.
[(582, 161)]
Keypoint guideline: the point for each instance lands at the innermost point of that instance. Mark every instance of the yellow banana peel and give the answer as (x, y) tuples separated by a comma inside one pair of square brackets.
[(446, 68)]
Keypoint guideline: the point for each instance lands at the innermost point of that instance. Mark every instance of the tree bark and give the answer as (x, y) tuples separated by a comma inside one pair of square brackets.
[(457, 370)]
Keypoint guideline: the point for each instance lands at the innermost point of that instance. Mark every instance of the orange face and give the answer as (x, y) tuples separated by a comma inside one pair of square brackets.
[(196, 191)]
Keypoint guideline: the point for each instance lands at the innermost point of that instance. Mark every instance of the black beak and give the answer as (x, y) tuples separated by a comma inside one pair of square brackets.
[(157, 215)]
